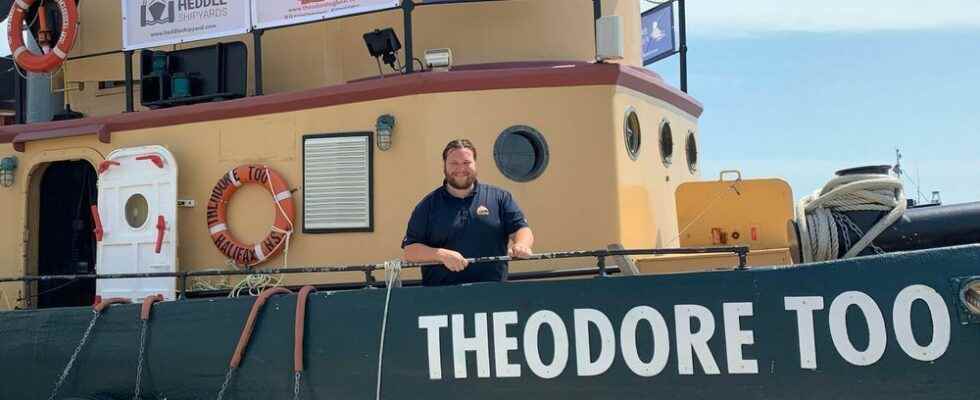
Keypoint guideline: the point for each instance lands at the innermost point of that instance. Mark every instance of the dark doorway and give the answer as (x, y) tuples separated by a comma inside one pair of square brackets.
[(66, 244)]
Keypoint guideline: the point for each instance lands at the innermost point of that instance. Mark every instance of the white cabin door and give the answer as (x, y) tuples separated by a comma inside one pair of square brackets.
[(138, 211)]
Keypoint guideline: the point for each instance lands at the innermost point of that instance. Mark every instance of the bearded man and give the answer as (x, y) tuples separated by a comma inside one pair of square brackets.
[(464, 218)]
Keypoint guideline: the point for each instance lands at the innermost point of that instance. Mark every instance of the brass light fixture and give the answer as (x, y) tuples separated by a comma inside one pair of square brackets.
[(7, 167), (384, 128)]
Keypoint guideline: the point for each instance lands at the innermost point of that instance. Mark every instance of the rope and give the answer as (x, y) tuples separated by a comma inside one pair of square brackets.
[(292, 227), (733, 187), (257, 283), (822, 221), (6, 299), (254, 284), (201, 284), (393, 271)]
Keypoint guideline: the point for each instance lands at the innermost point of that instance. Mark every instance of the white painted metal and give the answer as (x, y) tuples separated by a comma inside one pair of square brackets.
[(128, 249)]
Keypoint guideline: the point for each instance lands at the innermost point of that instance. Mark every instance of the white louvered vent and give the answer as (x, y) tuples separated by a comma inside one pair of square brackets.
[(337, 183)]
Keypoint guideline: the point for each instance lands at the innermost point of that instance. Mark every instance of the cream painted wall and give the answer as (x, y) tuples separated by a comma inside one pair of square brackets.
[(572, 205), (591, 195), (333, 52), (646, 185)]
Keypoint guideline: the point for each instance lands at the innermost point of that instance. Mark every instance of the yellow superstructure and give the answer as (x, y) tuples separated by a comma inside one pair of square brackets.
[(593, 192)]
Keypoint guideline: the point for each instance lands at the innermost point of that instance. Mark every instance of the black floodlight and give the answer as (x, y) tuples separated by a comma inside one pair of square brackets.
[(383, 43)]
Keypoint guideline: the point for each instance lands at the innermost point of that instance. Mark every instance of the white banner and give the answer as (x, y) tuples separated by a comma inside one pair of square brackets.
[(270, 13), (151, 23)]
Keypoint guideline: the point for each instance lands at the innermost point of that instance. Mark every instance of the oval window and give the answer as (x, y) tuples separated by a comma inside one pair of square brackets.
[(692, 152), (137, 210), (521, 153), (631, 133), (666, 142)]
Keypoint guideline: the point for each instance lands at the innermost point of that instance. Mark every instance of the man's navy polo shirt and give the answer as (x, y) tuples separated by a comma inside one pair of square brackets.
[(476, 226)]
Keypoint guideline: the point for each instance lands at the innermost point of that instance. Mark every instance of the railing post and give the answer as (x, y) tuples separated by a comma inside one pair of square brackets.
[(596, 14), (183, 285), (407, 7), (683, 31), (257, 55), (369, 278), (743, 258), (128, 55), (601, 263), (20, 99)]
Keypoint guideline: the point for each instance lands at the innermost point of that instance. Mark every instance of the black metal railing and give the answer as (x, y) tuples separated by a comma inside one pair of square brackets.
[(601, 268)]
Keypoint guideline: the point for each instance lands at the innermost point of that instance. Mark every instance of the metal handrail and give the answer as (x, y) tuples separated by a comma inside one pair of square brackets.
[(367, 269)]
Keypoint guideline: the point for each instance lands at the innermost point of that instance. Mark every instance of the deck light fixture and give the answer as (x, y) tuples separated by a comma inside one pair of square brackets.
[(439, 59), (383, 43), (384, 128), (7, 167)]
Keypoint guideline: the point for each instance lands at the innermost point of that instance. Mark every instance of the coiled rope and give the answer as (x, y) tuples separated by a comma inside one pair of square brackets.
[(824, 226)]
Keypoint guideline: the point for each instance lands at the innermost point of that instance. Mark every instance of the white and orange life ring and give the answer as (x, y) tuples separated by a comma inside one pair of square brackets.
[(48, 61), (247, 255)]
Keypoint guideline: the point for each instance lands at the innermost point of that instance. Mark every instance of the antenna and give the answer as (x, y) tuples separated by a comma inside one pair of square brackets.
[(897, 169), (918, 186)]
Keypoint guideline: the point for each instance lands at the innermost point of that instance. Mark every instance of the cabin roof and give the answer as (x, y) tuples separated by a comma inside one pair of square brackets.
[(464, 78)]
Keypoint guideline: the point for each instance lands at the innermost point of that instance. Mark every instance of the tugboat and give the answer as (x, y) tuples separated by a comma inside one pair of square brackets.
[(209, 214)]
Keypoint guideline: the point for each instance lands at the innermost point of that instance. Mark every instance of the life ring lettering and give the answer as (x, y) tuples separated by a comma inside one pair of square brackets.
[(48, 61), (247, 255)]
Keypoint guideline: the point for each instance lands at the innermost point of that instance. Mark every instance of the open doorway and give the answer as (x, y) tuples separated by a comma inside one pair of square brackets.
[(66, 244)]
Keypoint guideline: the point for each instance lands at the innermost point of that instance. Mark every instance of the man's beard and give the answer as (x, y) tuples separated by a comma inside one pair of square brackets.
[(461, 183)]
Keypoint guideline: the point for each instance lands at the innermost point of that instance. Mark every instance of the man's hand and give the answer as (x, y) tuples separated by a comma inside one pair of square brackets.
[(452, 259), (517, 250)]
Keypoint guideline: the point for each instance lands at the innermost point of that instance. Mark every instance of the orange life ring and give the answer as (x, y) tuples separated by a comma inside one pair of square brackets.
[(247, 255), (51, 60)]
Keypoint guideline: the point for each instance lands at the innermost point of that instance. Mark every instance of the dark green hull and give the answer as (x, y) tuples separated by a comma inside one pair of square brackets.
[(190, 342)]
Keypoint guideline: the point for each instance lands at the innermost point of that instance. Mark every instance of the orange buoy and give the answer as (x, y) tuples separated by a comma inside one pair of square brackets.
[(247, 255), (49, 60)]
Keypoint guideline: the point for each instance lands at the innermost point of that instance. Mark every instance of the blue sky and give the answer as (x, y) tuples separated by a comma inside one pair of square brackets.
[(800, 90)]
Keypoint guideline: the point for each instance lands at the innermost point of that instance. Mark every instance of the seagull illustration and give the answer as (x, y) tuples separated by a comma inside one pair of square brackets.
[(657, 34), (652, 34)]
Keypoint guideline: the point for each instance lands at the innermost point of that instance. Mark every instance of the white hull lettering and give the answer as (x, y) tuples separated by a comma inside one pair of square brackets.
[(583, 351), (661, 341), (804, 307), (878, 334), (902, 318), (478, 343), (735, 338), (595, 339), (560, 337), (690, 343)]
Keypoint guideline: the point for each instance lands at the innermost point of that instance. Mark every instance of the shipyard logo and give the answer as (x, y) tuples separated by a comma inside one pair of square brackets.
[(154, 12), (645, 339)]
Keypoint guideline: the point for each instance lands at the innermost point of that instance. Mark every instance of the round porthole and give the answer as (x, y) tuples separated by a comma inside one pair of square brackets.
[(666, 142), (692, 152), (631, 133), (521, 153), (137, 210)]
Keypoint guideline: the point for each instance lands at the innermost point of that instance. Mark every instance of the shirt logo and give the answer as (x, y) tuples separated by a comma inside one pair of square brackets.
[(482, 210)]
